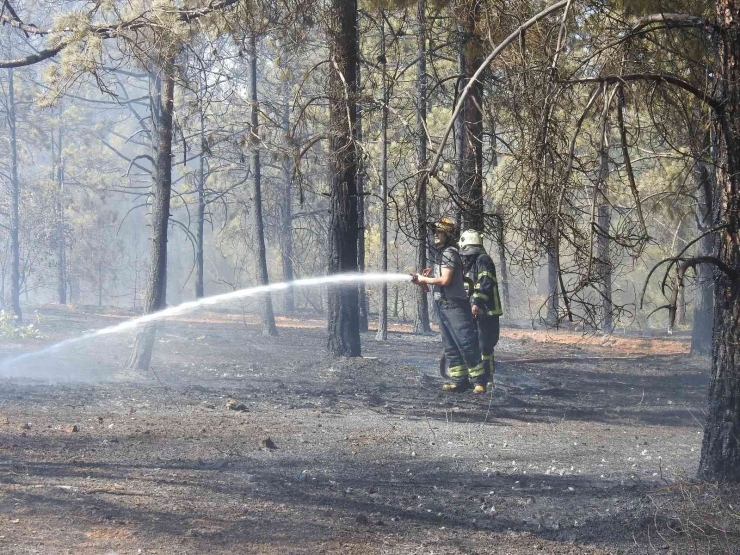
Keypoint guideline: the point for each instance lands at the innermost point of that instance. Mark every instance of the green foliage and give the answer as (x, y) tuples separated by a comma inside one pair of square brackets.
[(9, 329)]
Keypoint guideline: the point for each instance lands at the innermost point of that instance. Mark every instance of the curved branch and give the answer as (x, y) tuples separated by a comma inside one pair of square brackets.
[(672, 19), (473, 81), (33, 58), (729, 271), (659, 78)]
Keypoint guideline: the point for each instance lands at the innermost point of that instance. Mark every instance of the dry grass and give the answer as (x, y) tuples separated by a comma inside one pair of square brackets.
[(701, 518)]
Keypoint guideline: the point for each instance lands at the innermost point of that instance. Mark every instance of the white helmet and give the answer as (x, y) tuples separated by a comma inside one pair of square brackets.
[(470, 238)]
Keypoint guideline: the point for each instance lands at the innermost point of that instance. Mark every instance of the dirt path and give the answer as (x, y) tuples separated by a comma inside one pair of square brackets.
[(341, 456)]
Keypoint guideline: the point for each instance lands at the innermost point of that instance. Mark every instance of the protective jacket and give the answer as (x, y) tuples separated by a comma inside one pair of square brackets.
[(457, 325), (481, 271)]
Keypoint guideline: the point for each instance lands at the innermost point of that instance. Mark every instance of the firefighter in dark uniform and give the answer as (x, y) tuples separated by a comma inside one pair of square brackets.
[(456, 323), (486, 303)]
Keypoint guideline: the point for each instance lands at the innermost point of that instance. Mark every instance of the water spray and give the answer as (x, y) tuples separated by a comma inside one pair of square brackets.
[(184, 308)]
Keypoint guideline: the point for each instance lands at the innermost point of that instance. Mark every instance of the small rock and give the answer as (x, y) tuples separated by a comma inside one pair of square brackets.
[(15, 521), (269, 444), (233, 404), (362, 519), (4, 420), (100, 419), (25, 426), (72, 429)]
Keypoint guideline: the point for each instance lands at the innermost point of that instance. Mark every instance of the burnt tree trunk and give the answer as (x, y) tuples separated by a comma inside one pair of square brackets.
[(703, 324), (470, 149), (503, 270), (603, 223), (201, 185), (720, 455), (15, 249), (361, 295), (553, 301), (58, 177), (343, 313), (421, 319), (706, 205), (382, 334), (162, 88), (286, 213), (265, 300)]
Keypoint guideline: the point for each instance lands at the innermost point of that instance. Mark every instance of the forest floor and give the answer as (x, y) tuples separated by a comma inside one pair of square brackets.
[(586, 445)]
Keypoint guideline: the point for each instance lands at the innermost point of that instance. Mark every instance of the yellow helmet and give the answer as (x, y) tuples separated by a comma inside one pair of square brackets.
[(445, 225), (470, 237)]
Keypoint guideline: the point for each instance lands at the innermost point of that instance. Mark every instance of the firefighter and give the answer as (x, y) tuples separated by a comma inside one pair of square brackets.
[(456, 323), (485, 300)]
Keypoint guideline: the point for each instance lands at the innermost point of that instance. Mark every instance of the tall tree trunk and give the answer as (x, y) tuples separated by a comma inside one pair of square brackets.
[(162, 87), (15, 249), (720, 455), (503, 270), (286, 222), (361, 295), (265, 300), (58, 164), (382, 334), (201, 184), (603, 221), (553, 300), (470, 176), (701, 333), (100, 284), (421, 320), (343, 313)]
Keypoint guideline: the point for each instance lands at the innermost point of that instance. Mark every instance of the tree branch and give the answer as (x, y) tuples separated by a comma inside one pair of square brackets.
[(658, 78), (472, 82)]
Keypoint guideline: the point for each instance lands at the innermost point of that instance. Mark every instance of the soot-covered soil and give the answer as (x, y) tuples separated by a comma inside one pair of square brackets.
[(341, 456)]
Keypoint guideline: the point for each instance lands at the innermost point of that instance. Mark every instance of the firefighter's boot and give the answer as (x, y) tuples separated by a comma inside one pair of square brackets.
[(490, 369), (458, 380), (478, 378)]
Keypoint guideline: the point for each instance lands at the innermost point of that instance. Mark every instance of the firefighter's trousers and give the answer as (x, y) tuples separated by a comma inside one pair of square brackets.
[(460, 341), (488, 334)]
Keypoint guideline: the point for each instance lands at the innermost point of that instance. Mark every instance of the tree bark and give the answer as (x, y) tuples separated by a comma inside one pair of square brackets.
[(286, 222), (58, 164), (382, 334), (162, 87), (265, 300), (361, 295), (470, 174), (201, 185), (421, 320), (720, 456), (553, 290), (503, 270), (100, 284), (15, 249), (603, 220), (703, 324), (343, 313)]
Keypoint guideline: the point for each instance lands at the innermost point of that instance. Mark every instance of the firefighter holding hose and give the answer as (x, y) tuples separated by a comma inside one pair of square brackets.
[(456, 322), (486, 303)]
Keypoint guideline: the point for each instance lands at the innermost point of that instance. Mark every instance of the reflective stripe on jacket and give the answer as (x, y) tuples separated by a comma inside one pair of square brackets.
[(485, 295)]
